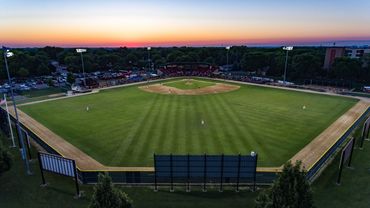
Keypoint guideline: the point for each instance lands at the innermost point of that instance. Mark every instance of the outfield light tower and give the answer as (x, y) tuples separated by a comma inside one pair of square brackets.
[(227, 55), (149, 49), (8, 54), (81, 51), (287, 49)]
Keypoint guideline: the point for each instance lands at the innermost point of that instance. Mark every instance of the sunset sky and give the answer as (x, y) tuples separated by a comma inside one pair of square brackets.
[(114, 23)]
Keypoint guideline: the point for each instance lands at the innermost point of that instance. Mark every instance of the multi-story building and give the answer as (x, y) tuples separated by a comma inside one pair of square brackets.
[(356, 52), (331, 54), (336, 52)]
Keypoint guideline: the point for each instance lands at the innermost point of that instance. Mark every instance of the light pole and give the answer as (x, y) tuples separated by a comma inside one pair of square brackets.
[(227, 55), (80, 51), (227, 59), (8, 54), (287, 49), (148, 49)]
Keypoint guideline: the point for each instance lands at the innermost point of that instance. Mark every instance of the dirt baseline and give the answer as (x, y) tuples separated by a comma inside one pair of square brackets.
[(163, 89)]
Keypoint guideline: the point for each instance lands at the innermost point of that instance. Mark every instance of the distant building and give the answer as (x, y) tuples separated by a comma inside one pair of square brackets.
[(336, 52), (356, 52), (331, 54)]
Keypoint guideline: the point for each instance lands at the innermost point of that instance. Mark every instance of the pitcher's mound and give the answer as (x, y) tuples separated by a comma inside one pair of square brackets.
[(163, 89)]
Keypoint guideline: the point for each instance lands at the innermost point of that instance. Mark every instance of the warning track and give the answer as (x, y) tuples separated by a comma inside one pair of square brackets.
[(312, 152)]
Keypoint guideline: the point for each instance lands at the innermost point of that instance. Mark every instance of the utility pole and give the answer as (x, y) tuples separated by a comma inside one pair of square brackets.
[(8, 54)]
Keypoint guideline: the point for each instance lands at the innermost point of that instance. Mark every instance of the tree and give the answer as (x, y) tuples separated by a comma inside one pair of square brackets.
[(50, 82), (52, 51), (5, 159), (70, 78), (305, 66), (290, 190), (43, 69), (106, 195), (23, 72), (346, 68), (73, 62)]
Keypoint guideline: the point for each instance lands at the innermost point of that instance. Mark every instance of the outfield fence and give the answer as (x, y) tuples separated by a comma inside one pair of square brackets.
[(264, 176), (321, 163)]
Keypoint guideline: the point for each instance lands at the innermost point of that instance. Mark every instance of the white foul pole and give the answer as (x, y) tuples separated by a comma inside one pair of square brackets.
[(10, 123)]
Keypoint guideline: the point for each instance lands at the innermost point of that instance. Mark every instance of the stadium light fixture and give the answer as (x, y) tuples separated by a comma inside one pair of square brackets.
[(8, 54), (287, 49), (81, 51)]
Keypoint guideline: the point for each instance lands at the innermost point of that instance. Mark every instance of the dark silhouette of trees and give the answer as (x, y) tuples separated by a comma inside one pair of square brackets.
[(303, 62)]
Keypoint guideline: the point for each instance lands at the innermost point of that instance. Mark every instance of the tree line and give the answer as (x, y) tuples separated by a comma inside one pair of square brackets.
[(303, 62)]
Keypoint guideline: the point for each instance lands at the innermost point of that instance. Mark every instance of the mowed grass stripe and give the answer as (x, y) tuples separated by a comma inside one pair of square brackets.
[(187, 125), (200, 145), (182, 122), (242, 144), (127, 144), (253, 139), (160, 128), (212, 138), (228, 135), (175, 119), (163, 124), (144, 149), (215, 130), (164, 139)]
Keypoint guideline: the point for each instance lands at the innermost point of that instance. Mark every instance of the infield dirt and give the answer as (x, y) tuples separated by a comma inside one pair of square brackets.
[(163, 89)]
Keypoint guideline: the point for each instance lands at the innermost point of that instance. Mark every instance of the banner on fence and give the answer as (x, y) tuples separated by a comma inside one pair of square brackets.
[(59, 165), (346, 156), (365, 132)]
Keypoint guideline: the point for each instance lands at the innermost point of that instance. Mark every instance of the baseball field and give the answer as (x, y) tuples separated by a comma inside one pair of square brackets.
[(125, 126)]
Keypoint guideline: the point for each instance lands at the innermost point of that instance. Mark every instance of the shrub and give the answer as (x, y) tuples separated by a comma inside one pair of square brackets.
[(5, 159), (106, 195), (290, 190)]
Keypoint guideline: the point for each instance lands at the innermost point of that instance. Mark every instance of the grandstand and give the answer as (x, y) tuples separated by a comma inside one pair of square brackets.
[(188, 69)]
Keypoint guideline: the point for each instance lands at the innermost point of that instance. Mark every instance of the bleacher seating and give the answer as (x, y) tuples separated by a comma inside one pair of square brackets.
[(192, 69)]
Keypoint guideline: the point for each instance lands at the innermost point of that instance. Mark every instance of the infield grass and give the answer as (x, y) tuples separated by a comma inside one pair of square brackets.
[(188, 84), (125, 126)]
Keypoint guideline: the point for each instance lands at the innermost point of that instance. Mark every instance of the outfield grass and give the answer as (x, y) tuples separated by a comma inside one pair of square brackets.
[(42, 92), (186, 84), (125, 126)]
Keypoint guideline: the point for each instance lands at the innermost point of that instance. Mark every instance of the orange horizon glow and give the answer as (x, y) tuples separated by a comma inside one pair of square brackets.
[(166, 23)]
